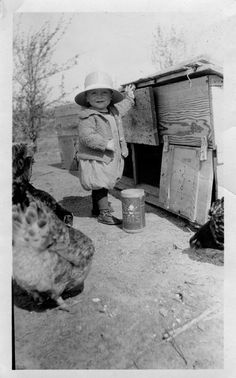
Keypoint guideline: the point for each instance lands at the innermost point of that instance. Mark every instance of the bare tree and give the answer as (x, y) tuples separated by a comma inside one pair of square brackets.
[(169, 47), (33, 67)]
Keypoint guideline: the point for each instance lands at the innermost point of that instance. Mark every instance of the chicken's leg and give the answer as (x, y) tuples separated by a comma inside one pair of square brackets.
[(62, 305)]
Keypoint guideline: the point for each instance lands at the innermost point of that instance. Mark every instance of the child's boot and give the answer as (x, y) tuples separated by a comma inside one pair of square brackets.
[(105, 215)]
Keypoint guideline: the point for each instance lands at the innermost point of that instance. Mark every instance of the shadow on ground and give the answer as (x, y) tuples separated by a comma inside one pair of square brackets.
[(206, 255), (79, 206)]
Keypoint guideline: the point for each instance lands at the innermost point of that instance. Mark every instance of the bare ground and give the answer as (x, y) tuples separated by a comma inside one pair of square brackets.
[(142, 289)]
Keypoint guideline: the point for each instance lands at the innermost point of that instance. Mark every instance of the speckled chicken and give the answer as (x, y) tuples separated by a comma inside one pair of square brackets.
[(211, 234), (49, 258)]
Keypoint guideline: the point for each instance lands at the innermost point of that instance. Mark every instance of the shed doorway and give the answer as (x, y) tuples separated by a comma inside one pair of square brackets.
[(143, 166)]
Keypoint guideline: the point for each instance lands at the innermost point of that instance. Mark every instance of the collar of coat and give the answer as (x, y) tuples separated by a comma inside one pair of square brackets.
[(87, 112)]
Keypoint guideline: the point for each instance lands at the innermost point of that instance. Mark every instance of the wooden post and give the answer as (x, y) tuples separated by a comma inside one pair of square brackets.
[(13, 328), (134, 162), (166, 143), (203, 153), (215, 178)]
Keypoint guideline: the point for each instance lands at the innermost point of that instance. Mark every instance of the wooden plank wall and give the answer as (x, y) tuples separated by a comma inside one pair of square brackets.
[(140, 123), (204, 179), (183, 109), (218, 114), (186, 182)]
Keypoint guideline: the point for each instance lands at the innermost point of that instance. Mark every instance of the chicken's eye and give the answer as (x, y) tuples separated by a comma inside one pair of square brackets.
[(41, 222)]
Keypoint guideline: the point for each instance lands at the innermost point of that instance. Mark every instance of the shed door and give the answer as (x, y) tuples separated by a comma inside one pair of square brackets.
[(140, 123), (186, 182)]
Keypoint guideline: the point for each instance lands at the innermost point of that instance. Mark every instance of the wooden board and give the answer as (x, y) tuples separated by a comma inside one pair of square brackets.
[(218, 114), (68, 145), (215, 81), (204, 181), (183, 108), (140, 123), (186, 182), (187, 141)]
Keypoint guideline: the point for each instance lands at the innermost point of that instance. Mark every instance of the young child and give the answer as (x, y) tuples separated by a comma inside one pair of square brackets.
[(102, 146)]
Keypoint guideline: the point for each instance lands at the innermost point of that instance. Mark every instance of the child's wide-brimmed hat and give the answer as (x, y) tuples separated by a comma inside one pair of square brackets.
[(98, 80)]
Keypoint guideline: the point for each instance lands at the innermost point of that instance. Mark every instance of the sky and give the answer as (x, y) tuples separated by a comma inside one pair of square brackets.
[(121, 43)]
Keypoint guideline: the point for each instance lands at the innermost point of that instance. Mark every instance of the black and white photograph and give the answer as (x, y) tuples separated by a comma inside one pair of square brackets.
[(118, 188)]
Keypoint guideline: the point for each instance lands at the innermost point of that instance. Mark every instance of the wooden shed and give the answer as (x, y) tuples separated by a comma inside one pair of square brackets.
[(174, 134)]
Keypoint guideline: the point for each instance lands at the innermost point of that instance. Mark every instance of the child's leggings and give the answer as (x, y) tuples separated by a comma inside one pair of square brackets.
[(100, 199)]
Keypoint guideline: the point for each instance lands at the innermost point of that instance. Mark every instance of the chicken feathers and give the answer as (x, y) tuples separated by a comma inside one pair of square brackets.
[(211, 234), (49, 258)]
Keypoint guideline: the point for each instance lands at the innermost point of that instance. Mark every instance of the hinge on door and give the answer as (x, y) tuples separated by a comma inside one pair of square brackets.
[(203, 151), (166, 143)]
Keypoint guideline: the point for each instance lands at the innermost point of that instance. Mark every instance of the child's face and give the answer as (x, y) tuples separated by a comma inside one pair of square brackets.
[(99, 98)]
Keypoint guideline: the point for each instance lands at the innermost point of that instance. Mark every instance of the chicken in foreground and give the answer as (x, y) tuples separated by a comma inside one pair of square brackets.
[(22, 161), (49, 258), (211, 234)]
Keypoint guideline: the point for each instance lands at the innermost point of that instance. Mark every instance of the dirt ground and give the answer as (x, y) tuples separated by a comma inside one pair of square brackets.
[(141, 288)]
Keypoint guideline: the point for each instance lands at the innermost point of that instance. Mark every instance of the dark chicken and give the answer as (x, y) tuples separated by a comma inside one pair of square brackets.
[(49, 257), (22, 161), (211, 234)]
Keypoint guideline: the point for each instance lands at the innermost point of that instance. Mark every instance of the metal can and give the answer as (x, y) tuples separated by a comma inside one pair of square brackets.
[(133, 210)]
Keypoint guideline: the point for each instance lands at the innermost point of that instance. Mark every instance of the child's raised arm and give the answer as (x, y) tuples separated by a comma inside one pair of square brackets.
[(125, 105)]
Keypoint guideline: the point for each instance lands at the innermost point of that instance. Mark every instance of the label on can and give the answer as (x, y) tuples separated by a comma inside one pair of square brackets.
[(133, 213)]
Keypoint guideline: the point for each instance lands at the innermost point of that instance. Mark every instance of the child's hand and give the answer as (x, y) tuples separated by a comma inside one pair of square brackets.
[(129, 89), (111, 145)]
